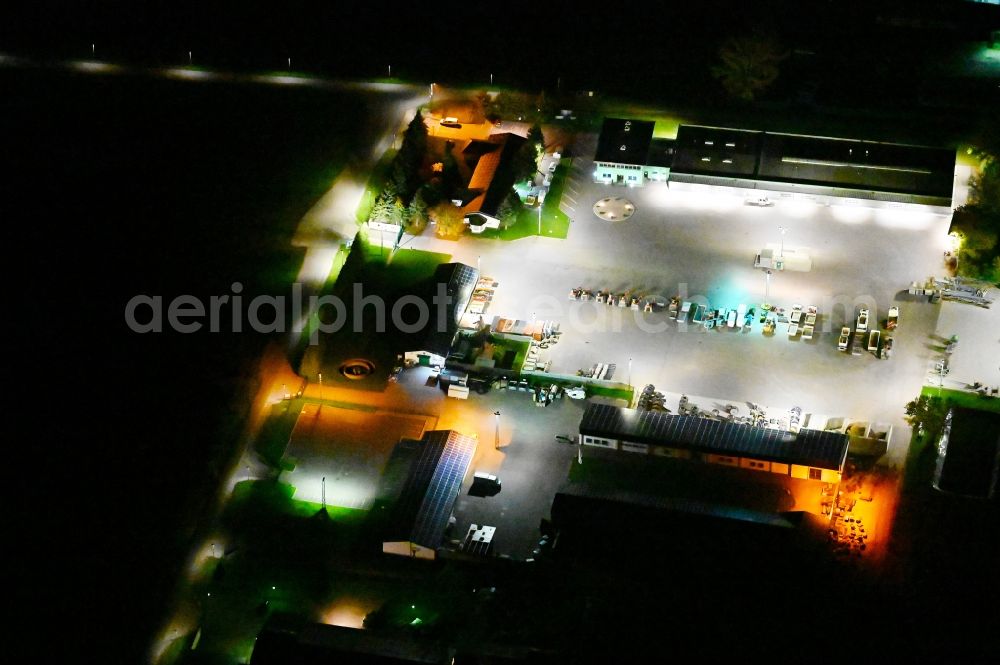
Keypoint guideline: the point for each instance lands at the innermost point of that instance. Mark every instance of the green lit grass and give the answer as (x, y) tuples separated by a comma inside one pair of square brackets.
[(555, 223), (273, 437), (375, 183), (963, 398), (667, 123)]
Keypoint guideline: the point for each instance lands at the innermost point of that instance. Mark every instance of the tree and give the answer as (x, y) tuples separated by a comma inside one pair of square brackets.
[(416, 213), (977, 224), (509, 210), (449, 221), (405, 173), (415, 137), (388, 208), (748, 64), (537, 139), (926, 414), (451, 178), (525, 162)]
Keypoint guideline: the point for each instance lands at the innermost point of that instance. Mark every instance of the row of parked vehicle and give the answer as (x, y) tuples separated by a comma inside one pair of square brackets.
[(626, 299), (878, 344)]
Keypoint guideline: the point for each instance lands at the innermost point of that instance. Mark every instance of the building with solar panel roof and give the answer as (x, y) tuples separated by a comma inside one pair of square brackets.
[(433, 470), (807, 454)]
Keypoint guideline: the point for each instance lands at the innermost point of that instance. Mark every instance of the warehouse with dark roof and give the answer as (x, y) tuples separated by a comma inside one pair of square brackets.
[(434, 467), (622, 149), (806, 454), (784, 165), (968, 460), (815, 166)]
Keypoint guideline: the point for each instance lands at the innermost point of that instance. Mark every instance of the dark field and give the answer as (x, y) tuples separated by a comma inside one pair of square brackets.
[(128, 186)]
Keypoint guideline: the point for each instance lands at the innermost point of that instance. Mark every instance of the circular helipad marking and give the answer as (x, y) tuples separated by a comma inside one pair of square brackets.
[(614, 208)]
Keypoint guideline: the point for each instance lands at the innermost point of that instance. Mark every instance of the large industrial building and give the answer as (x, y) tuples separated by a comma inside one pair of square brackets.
[(627, 153), (822, 169), (968, 460), (423, 479), (808, 454)]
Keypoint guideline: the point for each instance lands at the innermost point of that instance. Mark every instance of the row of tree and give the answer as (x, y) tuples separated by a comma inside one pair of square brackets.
[(410, 198), (977, 224)]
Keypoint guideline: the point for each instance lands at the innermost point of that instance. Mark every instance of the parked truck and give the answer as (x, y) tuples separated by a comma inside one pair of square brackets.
[(893, 319), (845, 338), (873, 341), (863, 320)]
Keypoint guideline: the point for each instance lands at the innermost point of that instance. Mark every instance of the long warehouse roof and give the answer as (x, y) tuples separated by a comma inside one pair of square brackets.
[(825, 450)]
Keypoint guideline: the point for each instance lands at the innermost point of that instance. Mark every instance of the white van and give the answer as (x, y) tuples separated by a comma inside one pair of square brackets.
[(758, 199)]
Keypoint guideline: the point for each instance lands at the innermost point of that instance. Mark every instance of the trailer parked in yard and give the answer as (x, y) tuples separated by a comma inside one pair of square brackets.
[(873, 341), (683, 315), (863, 320), (845, 338), (893, 319)]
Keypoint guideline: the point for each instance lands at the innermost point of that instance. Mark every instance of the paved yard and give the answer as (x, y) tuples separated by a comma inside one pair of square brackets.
[(531, 464), (703, 245), (349, 447)]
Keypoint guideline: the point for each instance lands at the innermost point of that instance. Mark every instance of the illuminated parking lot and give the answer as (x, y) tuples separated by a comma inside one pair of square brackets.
[(702, 244)]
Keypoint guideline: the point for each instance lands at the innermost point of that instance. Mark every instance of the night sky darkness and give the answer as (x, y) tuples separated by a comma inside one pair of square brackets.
[(102, 168)]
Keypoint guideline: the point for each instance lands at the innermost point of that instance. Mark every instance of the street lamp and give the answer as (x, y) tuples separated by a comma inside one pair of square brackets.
[(767, 287), (491, 79), (320, 393), (630, 371), (781, 251), (539, 219), (289, 64), (496, 442), (479, 265), (189, 58), (390, 73), (324, 492)]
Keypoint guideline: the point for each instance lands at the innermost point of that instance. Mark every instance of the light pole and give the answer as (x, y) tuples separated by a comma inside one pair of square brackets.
[(93, 49), (491, 79), (479, 265), (496, 440), (630, 372), (320, 393), (189, 59), (324, 492), (767, 287), (390, 73), (539, 219), (781, 250), (289, 64)]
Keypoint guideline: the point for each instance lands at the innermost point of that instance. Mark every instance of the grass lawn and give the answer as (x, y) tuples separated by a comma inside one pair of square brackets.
[(963, 398), (405, 272), (667, 123), (375, 183), (615, 393), (279, 560), (274, 435), (555, 223)]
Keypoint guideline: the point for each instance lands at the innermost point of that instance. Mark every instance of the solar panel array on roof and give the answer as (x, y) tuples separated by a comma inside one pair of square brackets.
[(460, 281), (826, 450), (443, 485)]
